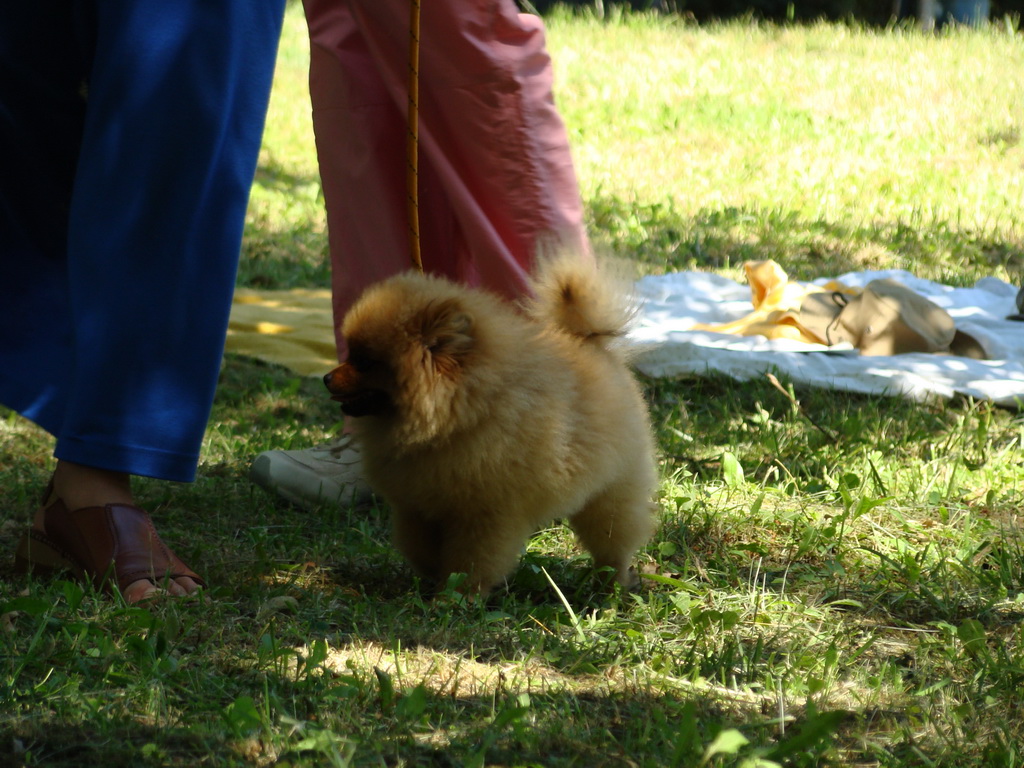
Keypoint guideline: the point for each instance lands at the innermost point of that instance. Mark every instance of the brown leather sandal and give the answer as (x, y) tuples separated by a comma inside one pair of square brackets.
[(111, 546)]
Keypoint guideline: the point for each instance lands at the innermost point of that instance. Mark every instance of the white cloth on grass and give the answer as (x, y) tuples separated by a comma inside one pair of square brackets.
[(672, 304)]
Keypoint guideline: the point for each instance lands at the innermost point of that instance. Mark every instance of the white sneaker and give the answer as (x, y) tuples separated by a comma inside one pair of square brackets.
[(323, 474)]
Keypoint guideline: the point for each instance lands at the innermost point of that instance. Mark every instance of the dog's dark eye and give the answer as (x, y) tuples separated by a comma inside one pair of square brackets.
[(360, 360)]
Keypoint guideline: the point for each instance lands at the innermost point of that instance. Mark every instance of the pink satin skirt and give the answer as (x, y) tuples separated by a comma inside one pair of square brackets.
[(496, 178)]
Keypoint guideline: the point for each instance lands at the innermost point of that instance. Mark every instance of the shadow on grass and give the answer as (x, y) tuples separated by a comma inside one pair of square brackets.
[(126, 743), (664, 240), (802, 449), (287, 247), (801, 436), (273, 176), (634, 690), (285, 240), (418, 727)]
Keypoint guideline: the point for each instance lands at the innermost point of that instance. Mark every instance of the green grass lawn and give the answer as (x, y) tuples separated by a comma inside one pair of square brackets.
[(837, 579)]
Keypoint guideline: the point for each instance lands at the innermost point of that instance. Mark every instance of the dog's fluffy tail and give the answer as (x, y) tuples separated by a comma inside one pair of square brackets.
[(582, 300)]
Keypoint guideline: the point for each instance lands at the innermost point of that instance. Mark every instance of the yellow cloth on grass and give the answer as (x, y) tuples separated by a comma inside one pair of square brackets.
[(776, 303), (295, 328), (292, 328)]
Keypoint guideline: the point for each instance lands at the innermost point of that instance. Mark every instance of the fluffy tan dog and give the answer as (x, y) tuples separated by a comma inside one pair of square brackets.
[(480, 423)]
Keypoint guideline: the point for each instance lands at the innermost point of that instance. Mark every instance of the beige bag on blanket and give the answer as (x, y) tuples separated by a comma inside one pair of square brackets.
[(886, 318)]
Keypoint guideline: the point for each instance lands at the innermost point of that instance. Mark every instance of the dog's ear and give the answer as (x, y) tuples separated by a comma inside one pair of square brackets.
[(447, 329)]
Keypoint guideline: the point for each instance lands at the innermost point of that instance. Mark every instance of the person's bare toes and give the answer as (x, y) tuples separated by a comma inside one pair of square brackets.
[(183, 585), (141, 591)]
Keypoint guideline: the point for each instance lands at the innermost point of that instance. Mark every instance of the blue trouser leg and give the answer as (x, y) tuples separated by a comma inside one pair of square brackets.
[(121, 215)]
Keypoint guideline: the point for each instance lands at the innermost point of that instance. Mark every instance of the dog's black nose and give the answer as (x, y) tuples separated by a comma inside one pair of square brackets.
[(327, 380)]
